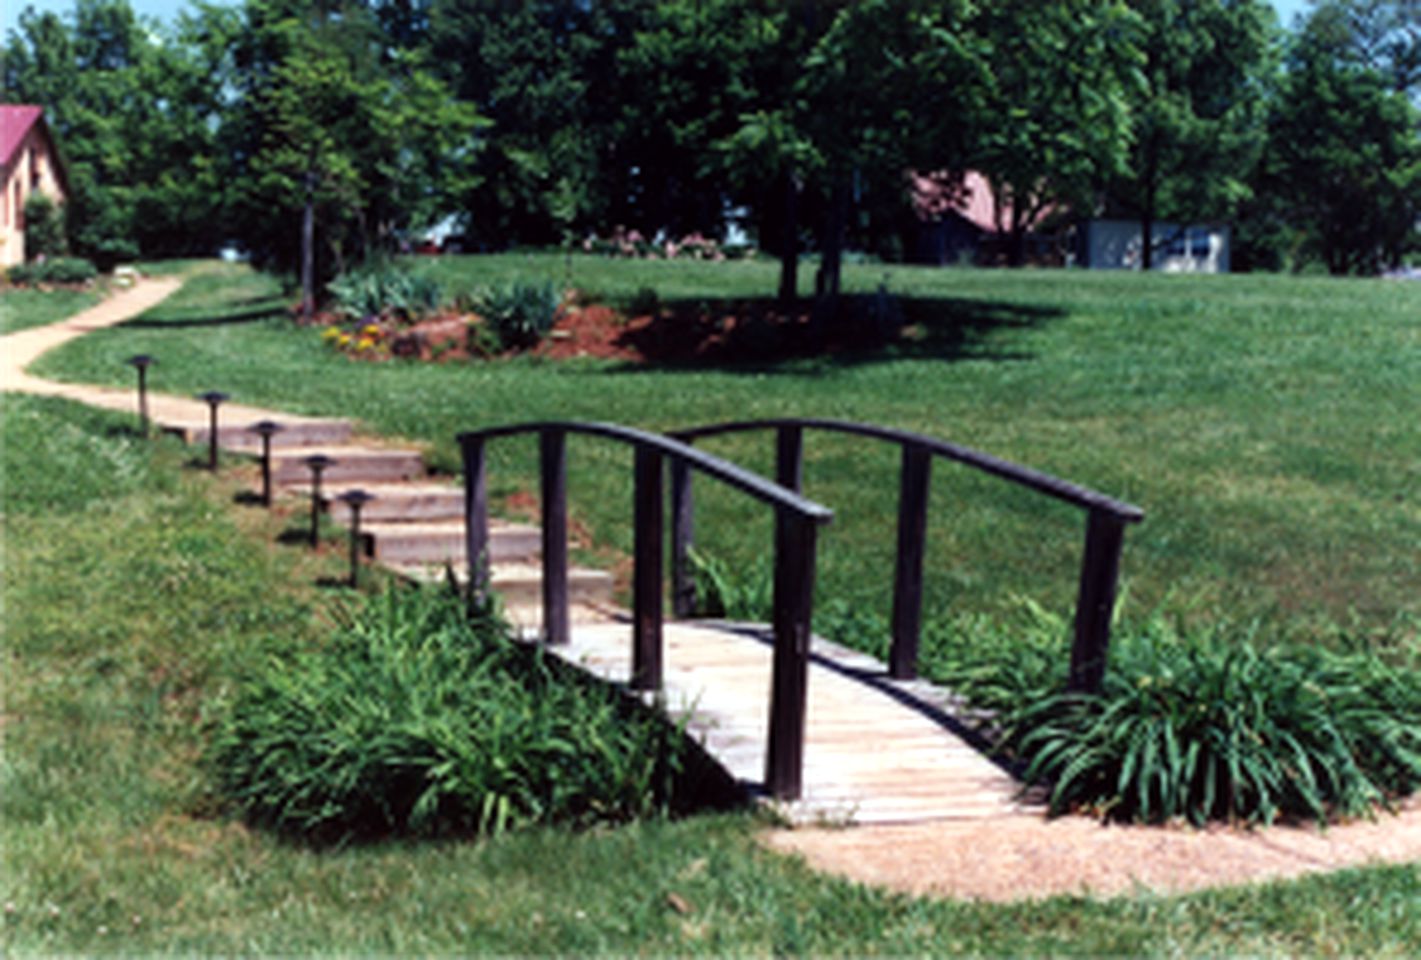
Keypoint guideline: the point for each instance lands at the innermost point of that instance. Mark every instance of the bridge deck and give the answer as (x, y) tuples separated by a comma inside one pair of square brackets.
[(876, 750)]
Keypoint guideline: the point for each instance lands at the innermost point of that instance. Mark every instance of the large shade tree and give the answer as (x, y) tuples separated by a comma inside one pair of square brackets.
[(1200, 117), (1344, 155)]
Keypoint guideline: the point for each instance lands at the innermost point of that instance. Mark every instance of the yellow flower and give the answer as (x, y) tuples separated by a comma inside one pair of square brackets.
[(364, 343), (331, 333), (370, 332), (343, 340)]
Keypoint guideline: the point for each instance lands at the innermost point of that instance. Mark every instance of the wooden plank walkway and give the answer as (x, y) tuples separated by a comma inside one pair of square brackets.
[(876, 750)]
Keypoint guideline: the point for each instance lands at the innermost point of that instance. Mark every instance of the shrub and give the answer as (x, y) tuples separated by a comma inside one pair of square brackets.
[(67, 270), (644, 303), (723, 590), (44, 228), (416, 720), (385, 290), (519, 314), (1219, 727), (59, 270)]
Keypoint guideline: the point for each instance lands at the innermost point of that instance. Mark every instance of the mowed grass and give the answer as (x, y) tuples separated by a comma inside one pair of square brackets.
[(22, 308), (1267, 424), (135, 596)]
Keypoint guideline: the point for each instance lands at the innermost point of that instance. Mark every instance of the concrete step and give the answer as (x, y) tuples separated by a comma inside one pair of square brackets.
[(520, 585), (441, 542), (398, 502), (295, 432), (353, 465)]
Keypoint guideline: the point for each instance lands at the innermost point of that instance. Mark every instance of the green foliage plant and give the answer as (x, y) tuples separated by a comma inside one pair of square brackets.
[(44, 228), (60, 270), (1218, 726), (519, 313), (385, 290), (419, 720)]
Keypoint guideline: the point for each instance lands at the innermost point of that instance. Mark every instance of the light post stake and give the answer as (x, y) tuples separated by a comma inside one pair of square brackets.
[(355, 499), (316, 463), (213, 399), (141, 362), (266, 429)]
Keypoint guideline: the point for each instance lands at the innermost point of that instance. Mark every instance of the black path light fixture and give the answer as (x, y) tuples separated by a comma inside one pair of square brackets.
[(141, 362), (266, 429), (316, 463), (355, 499), (213, 399)]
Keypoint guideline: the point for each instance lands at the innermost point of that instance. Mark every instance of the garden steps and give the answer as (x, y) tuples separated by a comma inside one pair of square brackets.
[(235, 434), (352, 464), (443, 542), (412, 500), (520, 586)]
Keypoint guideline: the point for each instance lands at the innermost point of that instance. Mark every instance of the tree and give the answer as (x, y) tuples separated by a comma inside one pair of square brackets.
[(863, 91), (542, 72), (135, 112), (1344, 155), (340, 141), (1200, 118), (1056, 118)]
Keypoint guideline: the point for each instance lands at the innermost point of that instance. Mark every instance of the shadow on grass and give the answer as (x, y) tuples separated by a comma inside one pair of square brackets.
[(754, 335), (181, 321)]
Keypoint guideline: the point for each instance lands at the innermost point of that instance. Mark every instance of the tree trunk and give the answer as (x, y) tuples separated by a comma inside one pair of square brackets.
[(831, 261), (789, 245), (308, 250)]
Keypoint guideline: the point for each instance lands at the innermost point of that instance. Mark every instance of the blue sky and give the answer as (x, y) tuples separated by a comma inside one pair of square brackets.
[(166, 9)]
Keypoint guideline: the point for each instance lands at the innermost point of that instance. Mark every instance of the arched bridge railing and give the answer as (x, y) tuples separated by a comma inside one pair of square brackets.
[(1106, 519), (797, 522)]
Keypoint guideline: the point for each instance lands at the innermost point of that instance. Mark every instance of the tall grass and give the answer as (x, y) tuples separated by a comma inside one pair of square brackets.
[(416, 720)]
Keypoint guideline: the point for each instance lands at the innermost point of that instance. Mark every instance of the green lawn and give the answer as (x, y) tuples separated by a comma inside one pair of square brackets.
[(21, 309), (1267, 424), (136, 592)]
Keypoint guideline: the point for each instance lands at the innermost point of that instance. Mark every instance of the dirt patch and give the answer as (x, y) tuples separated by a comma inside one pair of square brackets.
[(1028, 857)]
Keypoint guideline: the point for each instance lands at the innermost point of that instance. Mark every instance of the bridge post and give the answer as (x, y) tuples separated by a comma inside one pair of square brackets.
[(908, 573), (683, 534), (553, 461), (649, 509), (1100, 571), (476, 517), (789, 457), (794, 605)]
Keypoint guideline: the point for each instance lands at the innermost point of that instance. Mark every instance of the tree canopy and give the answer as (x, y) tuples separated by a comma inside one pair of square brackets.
[(317, 133)]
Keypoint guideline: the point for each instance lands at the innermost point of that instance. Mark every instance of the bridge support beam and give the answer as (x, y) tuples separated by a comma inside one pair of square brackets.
[(914, 481), (795, 540), (1100, 572), (649, 510), (553, 448), (683, 534), (476, 517)]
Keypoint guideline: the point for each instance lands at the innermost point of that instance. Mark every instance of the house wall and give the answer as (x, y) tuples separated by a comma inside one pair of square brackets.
[(34, 169), (1118, 245)]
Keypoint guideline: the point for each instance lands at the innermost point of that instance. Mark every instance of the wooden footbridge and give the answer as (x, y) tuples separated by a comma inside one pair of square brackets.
[(823, 731), (840, 736)]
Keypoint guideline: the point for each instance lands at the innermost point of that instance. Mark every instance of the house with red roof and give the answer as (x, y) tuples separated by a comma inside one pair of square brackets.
[(961, 219), (30, 164)]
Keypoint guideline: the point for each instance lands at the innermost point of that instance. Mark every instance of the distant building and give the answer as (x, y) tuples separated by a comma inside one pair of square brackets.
[(960, 220), (1119, 245), (30, 163)]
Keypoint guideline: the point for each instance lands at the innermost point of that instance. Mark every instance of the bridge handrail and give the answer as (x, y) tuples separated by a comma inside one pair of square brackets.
[(797, 520), (668, 444), (1106, 520), (1025, 476)]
